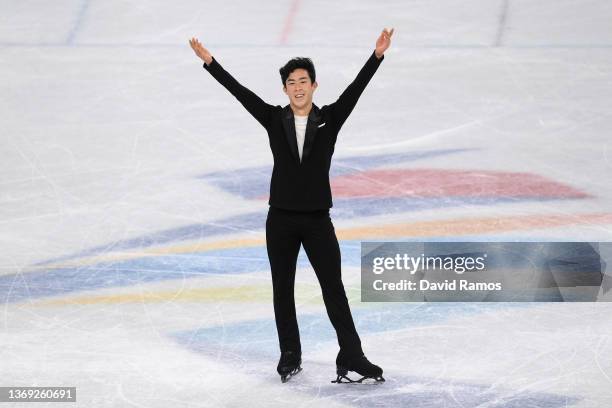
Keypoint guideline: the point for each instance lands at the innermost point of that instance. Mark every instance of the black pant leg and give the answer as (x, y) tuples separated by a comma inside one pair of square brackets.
[(283, 245), (321, 246)]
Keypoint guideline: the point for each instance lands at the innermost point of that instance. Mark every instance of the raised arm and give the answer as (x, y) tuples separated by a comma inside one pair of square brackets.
[(253, 103), (343, 107)]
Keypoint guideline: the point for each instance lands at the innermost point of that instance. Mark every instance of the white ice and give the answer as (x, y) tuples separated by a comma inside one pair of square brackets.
[(108, 122)]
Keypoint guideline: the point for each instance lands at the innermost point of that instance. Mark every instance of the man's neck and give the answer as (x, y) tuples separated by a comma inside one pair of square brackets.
[(301, 111)]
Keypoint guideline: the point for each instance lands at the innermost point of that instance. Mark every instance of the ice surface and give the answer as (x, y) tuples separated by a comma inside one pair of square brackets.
[(133, 197)]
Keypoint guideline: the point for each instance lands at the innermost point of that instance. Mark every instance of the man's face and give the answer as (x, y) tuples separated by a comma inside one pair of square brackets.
[(299, 88)]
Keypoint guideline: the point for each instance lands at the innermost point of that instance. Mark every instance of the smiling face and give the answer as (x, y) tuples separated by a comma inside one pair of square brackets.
[(299, 88)]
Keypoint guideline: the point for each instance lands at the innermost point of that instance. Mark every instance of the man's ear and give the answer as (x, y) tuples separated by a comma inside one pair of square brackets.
[(314, 85), (285, 89)]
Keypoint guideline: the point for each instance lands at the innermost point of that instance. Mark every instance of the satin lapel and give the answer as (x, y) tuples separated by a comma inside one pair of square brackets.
[(289, 126), (314, 118)]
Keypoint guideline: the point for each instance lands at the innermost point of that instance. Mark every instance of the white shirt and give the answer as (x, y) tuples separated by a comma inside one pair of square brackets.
[(300, 132)]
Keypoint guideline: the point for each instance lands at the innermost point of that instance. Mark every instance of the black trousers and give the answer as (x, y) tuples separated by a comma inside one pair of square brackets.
[(285, 231)]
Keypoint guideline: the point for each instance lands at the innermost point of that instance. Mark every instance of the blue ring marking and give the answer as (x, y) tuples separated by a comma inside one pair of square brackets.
[(78, 22), (252, 346), (335, 47), (64, 281), (254, 182), (58, 282), (345, 208)]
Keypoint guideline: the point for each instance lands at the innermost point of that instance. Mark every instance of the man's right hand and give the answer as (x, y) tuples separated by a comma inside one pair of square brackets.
[(200, 51)]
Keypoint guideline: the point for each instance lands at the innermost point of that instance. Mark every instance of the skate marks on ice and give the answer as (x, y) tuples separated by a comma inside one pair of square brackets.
[(251, 348), (60, 282), (422, 392), (248, 183), (253, 182), (192, 263), (363, 186), (371, 176), (53, 284)]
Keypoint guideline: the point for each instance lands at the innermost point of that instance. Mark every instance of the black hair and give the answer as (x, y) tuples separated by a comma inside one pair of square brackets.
[(296, 63)]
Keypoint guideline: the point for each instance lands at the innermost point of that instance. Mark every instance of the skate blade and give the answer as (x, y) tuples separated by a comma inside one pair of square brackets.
[(287, 377), (343, 379)]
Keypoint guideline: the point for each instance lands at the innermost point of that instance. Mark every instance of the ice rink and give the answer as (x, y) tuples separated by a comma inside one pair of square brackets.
[(133, 197)]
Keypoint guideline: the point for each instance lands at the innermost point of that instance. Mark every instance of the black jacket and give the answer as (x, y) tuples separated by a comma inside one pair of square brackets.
[(300, 186)]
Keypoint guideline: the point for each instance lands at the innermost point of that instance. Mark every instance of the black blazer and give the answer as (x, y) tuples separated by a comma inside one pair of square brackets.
[(295, 185)]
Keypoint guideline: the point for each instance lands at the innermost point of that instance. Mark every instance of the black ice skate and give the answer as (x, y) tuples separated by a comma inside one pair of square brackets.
[(289, 364), (371, 373)]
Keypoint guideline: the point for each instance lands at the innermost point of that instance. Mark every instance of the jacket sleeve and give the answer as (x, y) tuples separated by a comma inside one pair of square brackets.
[(343, 107), (253, 103)]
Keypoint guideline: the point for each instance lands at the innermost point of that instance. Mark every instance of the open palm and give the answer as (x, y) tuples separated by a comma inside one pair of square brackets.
[(383, 42), (200, 51)]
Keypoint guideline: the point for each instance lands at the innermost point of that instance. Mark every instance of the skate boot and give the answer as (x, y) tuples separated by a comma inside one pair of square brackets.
[(289, 364), (371, 373)]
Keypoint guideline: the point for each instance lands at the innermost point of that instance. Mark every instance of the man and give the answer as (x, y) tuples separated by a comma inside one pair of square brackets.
[(302, 137)]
